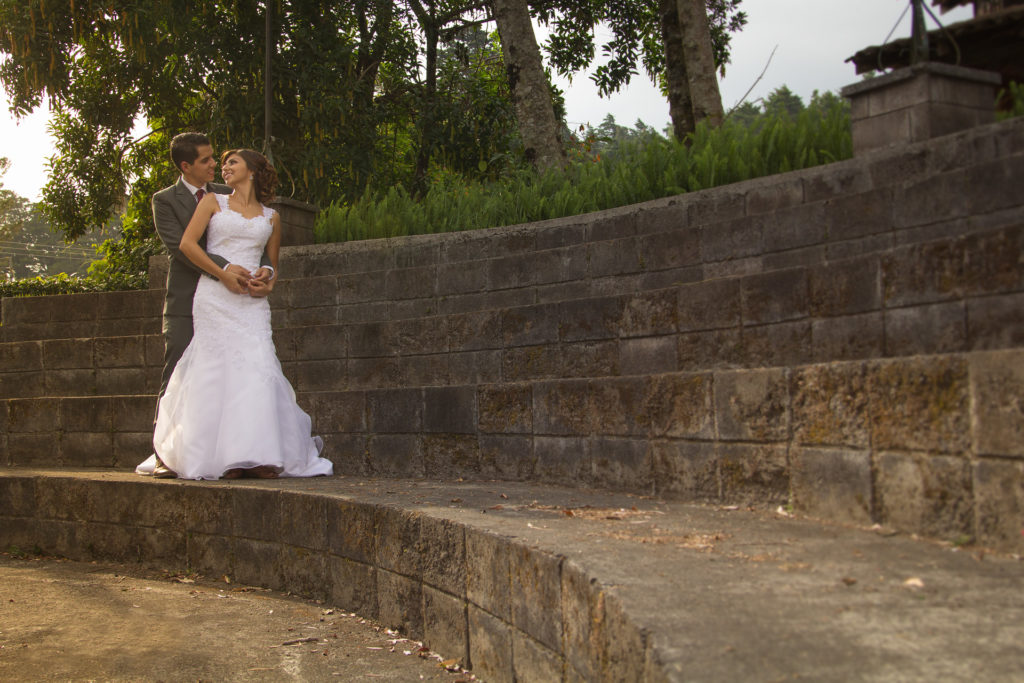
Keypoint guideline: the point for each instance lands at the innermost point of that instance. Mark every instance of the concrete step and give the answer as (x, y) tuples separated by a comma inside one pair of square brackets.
[(77, 431), (531, 582), (88, 366), (79, 316)]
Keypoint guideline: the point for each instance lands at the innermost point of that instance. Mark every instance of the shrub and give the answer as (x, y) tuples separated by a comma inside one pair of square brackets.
[(62, 283), (633, 172)]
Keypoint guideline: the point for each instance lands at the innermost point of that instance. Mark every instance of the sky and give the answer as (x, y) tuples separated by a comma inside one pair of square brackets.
[(811, 39)]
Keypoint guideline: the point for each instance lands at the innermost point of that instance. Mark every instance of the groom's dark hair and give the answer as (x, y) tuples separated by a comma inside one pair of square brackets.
[(184, 148)]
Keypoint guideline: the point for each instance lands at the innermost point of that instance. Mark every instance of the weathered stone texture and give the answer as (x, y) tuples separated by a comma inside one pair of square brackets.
[(997, 388), (752, 405), (353, 586), (685, 469), (506, 408), (445, 625), (400, 603), (832, 483), (929, 495), (620, 464), (920, 405), (490, 646), (830, 405), (532, 661), (676, 405), (999, 502), (754, 472), (709, 305), (583, 617), (536, 586), (397, 541), (724, 344), (938, 328)]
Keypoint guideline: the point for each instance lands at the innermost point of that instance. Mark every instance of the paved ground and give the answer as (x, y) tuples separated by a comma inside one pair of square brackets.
[(723, 594), (75, 621)]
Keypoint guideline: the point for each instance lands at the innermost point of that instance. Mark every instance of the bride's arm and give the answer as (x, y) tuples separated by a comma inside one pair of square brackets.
[(260, 287), (193, 252)]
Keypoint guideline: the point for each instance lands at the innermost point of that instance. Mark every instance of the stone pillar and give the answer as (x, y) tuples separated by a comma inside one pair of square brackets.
[(297, 220), (919, 102)]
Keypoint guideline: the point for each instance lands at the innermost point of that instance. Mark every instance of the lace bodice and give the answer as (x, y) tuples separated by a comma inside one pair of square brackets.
[(238, 239)]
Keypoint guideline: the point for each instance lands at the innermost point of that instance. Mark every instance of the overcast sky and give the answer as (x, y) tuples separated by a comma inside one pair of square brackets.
[(813, 38)]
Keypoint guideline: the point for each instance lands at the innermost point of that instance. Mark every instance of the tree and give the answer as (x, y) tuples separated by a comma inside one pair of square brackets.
[(96, 67), (782, 100), (475, 123), (350, 108), (676, 80), (647, 33), (698, 55), (745, 114), (14, 209), (528, 85)]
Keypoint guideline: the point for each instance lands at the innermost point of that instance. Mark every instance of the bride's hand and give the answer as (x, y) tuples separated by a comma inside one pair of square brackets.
[(260, 287), (264, 274)]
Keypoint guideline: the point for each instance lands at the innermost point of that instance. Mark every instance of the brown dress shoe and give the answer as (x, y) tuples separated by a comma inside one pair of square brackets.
[(162, 471)]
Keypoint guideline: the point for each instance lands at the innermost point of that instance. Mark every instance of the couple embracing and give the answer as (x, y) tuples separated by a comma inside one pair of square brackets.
[(225, 408)]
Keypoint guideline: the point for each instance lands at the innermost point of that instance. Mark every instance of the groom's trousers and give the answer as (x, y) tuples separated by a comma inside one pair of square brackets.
[(177, 336)]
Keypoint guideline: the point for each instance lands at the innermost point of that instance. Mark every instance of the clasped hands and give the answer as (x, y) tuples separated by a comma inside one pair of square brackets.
[(241, 281)]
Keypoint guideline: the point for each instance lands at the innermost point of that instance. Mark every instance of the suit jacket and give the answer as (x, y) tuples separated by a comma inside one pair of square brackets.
[(172, 210)]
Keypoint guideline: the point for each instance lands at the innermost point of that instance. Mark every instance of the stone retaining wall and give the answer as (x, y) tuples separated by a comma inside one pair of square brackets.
[(846, 338), (511, 610)]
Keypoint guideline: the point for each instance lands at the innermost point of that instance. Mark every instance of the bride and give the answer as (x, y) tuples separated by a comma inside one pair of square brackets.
[(228, 410)]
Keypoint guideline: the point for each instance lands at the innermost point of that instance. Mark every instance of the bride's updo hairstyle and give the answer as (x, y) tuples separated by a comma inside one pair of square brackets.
[(263, 174)]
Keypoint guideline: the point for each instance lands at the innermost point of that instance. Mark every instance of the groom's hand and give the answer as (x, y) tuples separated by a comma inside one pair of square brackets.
[(242, 273), (236, 279)]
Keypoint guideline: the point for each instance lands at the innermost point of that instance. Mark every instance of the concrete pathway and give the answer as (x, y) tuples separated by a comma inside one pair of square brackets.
[(715, 593), (74, 621)]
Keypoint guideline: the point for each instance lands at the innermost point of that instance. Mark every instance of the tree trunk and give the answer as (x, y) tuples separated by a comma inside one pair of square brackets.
[(680, 107), (429, 24), (428, 134), (529, 85), (700, 62)]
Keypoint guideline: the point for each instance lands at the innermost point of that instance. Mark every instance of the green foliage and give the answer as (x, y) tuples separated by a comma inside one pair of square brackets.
[(1011, 100), (348, 97), (62, 283), (348, 88), (782, 100), (630, 172), (14, 209), (475, 121), (636, 37)]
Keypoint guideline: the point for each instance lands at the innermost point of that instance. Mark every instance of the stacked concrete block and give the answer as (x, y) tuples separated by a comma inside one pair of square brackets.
[(509, 609), (830, 338), (920, 102)]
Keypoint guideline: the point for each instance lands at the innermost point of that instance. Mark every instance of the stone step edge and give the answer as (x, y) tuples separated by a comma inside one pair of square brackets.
[(393, 563), (633, 295)]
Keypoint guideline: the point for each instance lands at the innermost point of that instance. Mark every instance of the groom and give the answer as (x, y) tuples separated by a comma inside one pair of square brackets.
[(173, 207)]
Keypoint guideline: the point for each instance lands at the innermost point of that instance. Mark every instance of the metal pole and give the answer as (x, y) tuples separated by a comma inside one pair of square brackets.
[(267, 92), (919, 34)]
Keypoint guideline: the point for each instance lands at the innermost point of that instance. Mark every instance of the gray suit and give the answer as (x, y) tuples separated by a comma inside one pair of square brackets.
[(172, 210)]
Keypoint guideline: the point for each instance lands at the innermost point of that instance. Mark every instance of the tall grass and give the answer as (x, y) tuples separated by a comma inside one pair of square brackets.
[(634, 172)]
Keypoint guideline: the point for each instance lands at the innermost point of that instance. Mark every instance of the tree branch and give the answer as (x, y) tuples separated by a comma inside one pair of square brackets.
[(754, 85)]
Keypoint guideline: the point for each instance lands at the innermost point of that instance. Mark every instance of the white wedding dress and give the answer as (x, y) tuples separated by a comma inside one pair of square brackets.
[(227, 403)]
